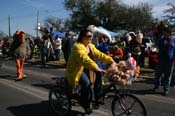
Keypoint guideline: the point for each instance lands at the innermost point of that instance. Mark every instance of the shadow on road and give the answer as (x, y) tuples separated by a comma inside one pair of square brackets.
[(146, 81), (38, 109), (45, 85), (145, 92), (151, 81), (9, 77), (48, 65), (5, 76)]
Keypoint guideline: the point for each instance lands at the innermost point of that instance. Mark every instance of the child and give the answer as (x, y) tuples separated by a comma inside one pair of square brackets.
[(152, 57)]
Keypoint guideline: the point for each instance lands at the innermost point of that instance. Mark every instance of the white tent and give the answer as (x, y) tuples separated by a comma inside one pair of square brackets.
[(100, 30)]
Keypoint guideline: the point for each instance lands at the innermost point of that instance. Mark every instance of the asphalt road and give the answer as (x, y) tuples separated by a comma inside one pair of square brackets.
[(30, 96)]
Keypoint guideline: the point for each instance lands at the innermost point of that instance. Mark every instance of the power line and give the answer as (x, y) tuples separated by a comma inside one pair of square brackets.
[(41, 13)]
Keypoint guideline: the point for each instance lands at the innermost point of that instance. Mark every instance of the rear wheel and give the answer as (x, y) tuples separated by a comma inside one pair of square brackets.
[(59, 101), (127, 105)]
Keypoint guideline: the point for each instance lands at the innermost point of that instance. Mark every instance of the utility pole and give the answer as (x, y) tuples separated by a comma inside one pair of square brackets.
[(9, 26), (37, 23)]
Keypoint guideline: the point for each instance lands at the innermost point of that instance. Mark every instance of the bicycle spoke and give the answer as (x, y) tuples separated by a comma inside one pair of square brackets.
[(128, 105), (121, 114), (55, 94), (126, 102), (59, 101), (132, 104), (120, 109), (138, 112), (123, 103)]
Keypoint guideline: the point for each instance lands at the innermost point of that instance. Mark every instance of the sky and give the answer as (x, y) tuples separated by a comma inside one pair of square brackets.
[(23, 13)]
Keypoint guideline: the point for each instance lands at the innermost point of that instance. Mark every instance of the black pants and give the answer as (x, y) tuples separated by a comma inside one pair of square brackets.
[(44, 55)]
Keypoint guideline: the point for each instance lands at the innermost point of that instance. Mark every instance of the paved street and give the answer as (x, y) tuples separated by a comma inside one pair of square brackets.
[(30, 96)]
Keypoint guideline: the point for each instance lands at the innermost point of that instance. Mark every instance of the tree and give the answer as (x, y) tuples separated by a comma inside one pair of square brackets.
[(2, 34), (140, 16), (111, 14), (170, 14), (54, 23), (82, 12)]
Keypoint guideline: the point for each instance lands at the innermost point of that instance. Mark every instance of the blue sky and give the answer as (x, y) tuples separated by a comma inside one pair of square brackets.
[(23, 13)]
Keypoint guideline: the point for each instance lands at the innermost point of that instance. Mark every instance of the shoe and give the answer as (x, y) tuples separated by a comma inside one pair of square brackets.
[(88, 110), (165, 93), (101, 100), (24, 76), (96, 106), (19, 78), (155, 88), (86, 107)]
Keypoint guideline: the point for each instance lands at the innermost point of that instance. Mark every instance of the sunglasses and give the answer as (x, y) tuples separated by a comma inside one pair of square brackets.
[(88, 36)]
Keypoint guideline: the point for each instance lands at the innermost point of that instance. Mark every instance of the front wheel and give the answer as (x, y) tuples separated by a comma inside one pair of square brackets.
[(127, 105), (59, 101)]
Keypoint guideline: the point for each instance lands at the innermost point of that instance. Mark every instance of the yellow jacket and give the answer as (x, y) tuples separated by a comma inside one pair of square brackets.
[(79, 60)]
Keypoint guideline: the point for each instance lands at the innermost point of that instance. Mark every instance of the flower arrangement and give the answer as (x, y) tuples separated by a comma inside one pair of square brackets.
[(121, 73)]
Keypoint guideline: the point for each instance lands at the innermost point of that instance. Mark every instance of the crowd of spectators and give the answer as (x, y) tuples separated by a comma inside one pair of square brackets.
[(50, 47)]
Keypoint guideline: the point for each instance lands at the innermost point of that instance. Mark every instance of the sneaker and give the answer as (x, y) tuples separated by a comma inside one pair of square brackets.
[(165, 93), (88, 110)]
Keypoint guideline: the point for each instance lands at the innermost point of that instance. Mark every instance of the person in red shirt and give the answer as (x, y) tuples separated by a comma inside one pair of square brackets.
[(152, 57), (116, 53)]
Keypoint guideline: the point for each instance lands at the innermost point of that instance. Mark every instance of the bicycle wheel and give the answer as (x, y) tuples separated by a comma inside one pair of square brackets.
[(59, 101), (127, 105)]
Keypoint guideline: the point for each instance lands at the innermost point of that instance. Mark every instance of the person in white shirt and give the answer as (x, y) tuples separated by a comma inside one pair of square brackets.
[(57, 47)]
